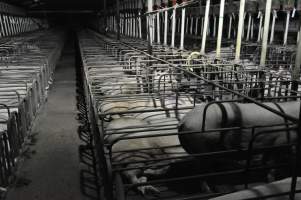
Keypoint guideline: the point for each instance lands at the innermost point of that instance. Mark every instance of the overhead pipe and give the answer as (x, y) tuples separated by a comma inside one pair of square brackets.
[(204, 35), (265, 33), (220, 29), (240, 29)]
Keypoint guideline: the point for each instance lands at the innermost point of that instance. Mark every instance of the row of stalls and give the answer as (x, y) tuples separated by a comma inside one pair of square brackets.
[(28, 58), (139, 104), (176, 121)]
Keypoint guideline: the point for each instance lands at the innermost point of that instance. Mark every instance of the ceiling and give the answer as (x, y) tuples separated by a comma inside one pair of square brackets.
[(58, 4)]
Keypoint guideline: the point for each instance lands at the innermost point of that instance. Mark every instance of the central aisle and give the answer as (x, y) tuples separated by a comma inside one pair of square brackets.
[(52, 172)]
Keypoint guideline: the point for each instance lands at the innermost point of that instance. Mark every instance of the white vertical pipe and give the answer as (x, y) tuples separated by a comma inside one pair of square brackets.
[(158, 28), (273, 26), (206, 26), (288, 15), (265, 32), (202, 26), (196, 26), (214, 26), (260, 16), (150, 4), (220, 29), (1, 29), (252, 29), (240, 29), (173, 29), (230, 26), (165, 27), (140, 25), (249, 27), (191, 25), (186, 26), (183, 28)]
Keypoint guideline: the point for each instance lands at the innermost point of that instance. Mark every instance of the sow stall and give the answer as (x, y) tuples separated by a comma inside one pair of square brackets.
[(138, 98), (26, 69)]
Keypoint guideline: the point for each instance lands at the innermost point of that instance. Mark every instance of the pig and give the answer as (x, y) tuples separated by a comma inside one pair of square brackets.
[(250, 114), (238, 115), (141, 175)]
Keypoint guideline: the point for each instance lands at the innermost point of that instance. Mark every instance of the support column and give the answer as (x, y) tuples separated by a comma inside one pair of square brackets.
[(173, 28), (220, 29), (240, 29), (118, 19), (273, 26), (265, 33), (288, 15), (150, 27), (183, 28), (260, 16), (204, 35), (165, 25), (249, 27)]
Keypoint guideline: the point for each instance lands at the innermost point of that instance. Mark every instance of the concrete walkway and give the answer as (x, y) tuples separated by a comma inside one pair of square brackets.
[(52, 171)]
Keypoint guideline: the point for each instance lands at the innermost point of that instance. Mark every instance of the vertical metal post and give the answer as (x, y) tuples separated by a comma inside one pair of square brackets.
[(288, 15), (2, 34), (273, 26), (220, 29), (214, 26), (118, 19), (173, 28), (230, 26), (183, 28), (165, 26), (191, 25), (265, 32), (158, 29), (260, 16), (204, 36), (249, 27), (240, 29), (150, 21), (196, 26)]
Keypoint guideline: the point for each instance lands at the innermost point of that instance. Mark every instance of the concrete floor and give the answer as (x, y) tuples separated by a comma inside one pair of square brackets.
[(52, 172)]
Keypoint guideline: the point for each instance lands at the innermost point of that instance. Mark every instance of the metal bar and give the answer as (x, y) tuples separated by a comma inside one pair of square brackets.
[(173, 28), (165, 27), (183, 28), (204, 36), (265, 33), (220, 29), (288, 15), (273, 27), (240, 29), (118, 19)]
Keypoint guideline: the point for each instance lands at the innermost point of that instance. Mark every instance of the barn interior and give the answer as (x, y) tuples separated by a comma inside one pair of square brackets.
[(150, 99)]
